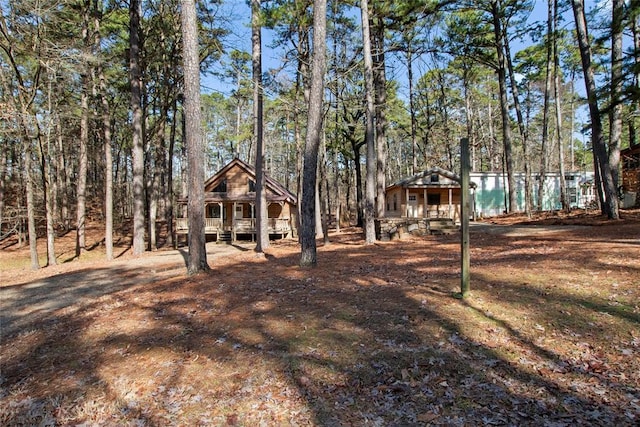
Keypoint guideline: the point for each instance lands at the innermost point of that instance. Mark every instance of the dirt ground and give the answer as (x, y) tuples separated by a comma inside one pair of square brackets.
[(372, 336)]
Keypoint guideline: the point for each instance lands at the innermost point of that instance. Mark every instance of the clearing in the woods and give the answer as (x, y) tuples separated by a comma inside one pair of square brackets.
[(372, 336)]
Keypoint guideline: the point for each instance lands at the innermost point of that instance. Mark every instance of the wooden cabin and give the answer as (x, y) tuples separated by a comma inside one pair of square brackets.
[(230, 212), (434, 193), (425, 203)]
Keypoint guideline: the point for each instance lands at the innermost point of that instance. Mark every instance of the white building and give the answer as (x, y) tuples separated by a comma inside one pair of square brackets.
[(490, 197)]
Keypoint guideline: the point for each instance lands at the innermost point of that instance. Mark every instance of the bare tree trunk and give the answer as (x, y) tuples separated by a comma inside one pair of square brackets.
[(322, 204), (337, 191), (308, 256), (168, 201), (137, 150), (544, 155), (633, 120), (31, 215), (370, 181), (4, 154), (609, 195), (412, 112), (262, 231), (380, 85), (63, 178), (617, 80), (564, 202), (524, 135), (81, 188), (504, 104), (108, 156), (197, 241), (47, 179)]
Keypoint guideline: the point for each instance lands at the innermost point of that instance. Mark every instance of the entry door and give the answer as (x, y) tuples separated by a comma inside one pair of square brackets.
[(412, 206), (238, 214)]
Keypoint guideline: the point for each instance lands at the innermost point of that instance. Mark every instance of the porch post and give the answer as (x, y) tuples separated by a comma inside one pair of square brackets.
[(233, 222), (253, 222), (221, 206), (426, 205), (406, 203)]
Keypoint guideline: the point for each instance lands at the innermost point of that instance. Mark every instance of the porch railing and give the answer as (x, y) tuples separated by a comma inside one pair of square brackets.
[(240, 225)]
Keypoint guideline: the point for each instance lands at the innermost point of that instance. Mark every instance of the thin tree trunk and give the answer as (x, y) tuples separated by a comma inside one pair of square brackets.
[(81, 188), (633, 120), (308, 256), (108, 156), (522, 128), (262, 231), (609, 197), (64, 182), (31, 216), (504, 104), (544, 155), (564, 202), (197, 240), (380, 87), (168, 202), (137, 150), (617, 80), (4, 154), (370, 183), (412, 112), (47, 187), (323, 193)]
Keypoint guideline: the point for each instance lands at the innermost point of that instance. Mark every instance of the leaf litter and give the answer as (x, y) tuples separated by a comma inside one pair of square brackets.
[(372, 336)]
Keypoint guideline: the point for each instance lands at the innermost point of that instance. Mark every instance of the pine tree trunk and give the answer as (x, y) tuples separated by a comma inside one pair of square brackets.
[(308, 256), (524, 135), (370, 181), (81, 186), (197, 241), (31, 215), (380, 84), (168, 201), (504, 104), (137, 150), (262, 231), (617, 80), (564, 202), (544, 155), (108, 155), (610, 197)]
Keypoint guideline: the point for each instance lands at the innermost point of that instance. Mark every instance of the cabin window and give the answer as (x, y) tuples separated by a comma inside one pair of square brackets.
[(221, 187), (214, 211), (395, 202), (252, 186), (433, 199), (413, 198), (435, 177), (572, 194)]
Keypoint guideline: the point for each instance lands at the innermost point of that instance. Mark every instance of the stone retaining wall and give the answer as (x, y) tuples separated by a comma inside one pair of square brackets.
[(396, 228)]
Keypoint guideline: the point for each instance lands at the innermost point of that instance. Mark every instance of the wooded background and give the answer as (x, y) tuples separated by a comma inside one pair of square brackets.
[(92, 101)]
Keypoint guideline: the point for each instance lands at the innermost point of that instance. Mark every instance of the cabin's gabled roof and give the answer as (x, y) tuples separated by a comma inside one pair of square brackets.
[(424, 179), (274, 190)]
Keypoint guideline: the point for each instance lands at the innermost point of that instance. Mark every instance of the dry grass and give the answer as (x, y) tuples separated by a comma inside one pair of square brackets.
[(372, 336)]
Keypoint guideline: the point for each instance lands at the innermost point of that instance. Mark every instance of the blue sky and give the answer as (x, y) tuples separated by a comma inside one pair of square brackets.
[(240, 38)]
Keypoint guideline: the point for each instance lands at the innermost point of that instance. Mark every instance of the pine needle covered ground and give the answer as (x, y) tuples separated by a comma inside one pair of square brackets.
[(372, 336)]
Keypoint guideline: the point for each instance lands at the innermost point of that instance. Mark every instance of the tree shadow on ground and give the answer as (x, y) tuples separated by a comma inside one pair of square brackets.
[(373, 338)]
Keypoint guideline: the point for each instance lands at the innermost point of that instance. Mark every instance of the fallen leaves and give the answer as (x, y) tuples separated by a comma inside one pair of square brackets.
[(250, 345)]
